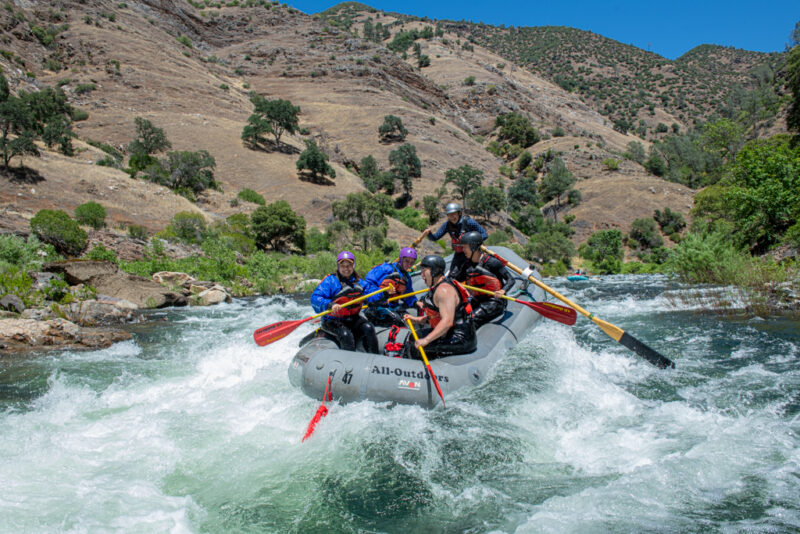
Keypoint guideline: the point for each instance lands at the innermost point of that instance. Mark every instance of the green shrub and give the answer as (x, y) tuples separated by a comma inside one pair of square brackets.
[(187, 226), (249, 195), (604, 251), (82, 88), (58, 229), (411, 218), (316, 241), (185, 41), (100, 253), (137, 232), (611, 164), (645, 233), (91, 214), (15, 281), (670, 221)]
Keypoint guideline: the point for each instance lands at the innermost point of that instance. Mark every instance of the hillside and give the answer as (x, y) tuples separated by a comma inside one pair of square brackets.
[(189, 69)]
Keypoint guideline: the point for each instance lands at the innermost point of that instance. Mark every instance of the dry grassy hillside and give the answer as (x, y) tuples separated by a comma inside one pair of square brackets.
[(197, 91)]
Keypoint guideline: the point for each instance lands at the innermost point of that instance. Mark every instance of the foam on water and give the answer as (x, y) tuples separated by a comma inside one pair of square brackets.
[(193, 428)]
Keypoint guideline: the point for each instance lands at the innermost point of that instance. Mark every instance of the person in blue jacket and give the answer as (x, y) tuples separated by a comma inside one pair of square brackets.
[(456, 225), (383, 313), (345, 325)]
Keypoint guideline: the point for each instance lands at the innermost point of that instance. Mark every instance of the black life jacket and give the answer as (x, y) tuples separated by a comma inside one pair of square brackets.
[(479, 276), (456, 231), (463, 309), (346, 294)]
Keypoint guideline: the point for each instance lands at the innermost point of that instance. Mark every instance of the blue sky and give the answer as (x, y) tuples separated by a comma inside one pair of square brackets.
[(668, 28)]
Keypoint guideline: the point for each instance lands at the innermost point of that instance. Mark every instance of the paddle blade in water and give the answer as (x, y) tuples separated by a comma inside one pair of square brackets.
[(275, 331), (556, 312)]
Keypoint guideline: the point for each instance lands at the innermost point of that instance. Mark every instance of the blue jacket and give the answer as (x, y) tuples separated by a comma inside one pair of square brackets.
[(378, 274), (323, 296)]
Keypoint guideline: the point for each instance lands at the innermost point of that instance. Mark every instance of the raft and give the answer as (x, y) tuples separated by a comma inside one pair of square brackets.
[(358, 376), (576, 277)]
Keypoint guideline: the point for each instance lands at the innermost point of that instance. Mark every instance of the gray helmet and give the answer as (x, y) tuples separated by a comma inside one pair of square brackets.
[(435, 263), (473, 239), (452, 207)]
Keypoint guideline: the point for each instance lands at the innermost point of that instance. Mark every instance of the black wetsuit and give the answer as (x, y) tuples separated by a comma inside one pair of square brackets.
[(488, 273)]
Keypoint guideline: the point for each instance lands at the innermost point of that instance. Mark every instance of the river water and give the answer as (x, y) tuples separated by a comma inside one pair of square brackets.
[(190, 427)]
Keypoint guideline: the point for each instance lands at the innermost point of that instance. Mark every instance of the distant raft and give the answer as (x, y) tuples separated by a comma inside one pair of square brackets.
[(358, 376), (576, 277)]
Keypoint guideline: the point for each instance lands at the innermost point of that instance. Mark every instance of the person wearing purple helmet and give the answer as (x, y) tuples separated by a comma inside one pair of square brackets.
[(396, 275), (345, 325)]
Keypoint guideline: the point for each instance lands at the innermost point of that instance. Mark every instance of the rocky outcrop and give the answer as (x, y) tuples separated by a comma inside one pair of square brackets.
[(18, 335), (199, 293), (108, 280)]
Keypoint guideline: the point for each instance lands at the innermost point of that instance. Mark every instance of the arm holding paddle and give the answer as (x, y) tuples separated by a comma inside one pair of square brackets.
[(446, 299)]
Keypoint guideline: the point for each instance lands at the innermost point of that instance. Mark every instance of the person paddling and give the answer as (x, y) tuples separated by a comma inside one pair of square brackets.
[(345, 325), (396, 275), (448, 313), (485, 272), (456, 225)]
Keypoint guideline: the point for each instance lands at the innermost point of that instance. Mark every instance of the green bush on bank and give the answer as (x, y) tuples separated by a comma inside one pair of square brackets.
[(58, 229), (91, 214)]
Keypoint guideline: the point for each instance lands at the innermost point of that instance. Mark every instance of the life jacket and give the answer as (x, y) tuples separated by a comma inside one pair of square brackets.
[(480, 276), (456, 231), (392, 347), (346, 294), (396, 279), (463, 309)]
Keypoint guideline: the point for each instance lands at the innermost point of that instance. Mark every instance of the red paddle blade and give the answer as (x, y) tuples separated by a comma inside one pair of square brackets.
[(436, 383), (556, 312), (275, 331), (322, 411)]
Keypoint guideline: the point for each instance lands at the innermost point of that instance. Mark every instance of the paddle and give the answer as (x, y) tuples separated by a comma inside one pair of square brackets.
[(425, 359), (275, 331), (322, 411), (562, 314), (615, 332)]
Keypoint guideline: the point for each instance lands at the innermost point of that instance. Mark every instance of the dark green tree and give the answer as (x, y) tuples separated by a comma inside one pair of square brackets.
[(604, 250), (16, 129), (186, 173), (280, 115), (315, 161), (277, 226), (149, 139), (517, 129), (254, 130), (669, 221), (522, 193), (365, 217), (430, 205), (486, 201), (645, 234), (392, 129), (368, 170), (556, 182), (464, 179), (793, 83), (405, 166)]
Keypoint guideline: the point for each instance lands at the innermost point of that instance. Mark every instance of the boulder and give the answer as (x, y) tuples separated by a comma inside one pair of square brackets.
[(172, 278), (95, 312), (80, 271), (108, 280), (20, 335), (209, 297), (12, 303)]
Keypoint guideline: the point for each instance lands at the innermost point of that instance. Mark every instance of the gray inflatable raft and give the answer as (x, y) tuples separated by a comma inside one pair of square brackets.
[(361, 376)]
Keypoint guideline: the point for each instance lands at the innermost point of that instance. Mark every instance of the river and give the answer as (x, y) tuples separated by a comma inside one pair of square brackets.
[(190, 427)]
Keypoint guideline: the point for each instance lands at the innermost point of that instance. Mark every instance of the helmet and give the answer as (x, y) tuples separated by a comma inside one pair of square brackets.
[(408, 252), (435, 263), (473, 239), (452, 208), (346, 255)]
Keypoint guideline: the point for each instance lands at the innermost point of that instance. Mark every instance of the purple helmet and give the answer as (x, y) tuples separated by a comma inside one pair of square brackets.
[(346, 255), (408, 252)]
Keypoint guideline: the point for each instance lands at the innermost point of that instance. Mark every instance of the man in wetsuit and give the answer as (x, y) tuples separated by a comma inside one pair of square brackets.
[(456, 225), (447, 311), (485, 272), (382, 313), (345, 325)]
